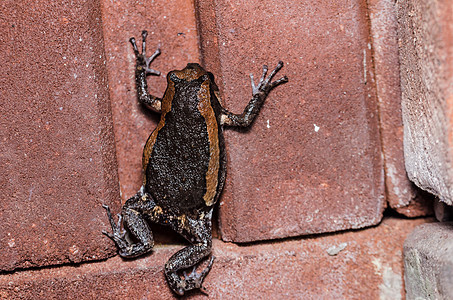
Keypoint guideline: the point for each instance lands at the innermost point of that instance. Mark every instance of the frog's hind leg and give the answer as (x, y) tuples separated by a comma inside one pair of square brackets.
[(133, 217), (198, 231)]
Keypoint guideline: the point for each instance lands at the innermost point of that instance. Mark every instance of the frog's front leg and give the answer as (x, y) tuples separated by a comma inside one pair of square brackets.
[(142, 70), (132, 214), (200, 234), (260, 93)]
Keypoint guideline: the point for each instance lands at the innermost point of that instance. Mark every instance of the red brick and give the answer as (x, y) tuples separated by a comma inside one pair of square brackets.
[(426, 55), (171, 25), (312, 161), (57, 151), (402, 194), (369, 267)]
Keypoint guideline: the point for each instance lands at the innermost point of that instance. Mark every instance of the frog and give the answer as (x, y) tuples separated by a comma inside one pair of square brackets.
[(184, 166)]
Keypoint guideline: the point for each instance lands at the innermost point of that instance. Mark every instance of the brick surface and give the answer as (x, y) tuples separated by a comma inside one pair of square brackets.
[(56, 151), (402, 194), (428, 263), (171, 25), (368, 267), (312, 161), (426, 54)]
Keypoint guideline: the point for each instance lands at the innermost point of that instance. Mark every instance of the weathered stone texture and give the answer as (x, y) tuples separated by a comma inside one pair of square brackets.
[(56, 151), (402, 194), (425, 30), (428, 263), (368, 267), (443, 212), (312, 161)]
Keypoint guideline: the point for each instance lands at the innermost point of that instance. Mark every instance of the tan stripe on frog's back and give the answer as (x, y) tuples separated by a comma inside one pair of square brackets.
[(166, 107), (205, 108)]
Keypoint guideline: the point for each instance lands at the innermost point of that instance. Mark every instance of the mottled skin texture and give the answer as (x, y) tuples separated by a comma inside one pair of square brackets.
[(184, 166)]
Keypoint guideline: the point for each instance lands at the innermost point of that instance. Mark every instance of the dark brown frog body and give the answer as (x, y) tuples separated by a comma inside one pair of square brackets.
[(184, 166), (184, 158)]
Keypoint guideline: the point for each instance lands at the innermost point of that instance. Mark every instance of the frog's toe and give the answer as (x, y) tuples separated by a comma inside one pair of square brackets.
[(148, 61), (266, 84), (143, 62), (193, 280), (117, 235)]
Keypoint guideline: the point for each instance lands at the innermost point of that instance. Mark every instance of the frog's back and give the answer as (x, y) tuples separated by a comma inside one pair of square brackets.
[(183, 156)]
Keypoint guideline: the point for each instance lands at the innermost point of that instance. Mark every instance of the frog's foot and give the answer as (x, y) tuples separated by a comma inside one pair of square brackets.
[(194, 280), (265, 85), (118, 235), (143, 61)]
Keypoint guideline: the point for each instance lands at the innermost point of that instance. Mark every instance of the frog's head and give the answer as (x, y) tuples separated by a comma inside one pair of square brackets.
[(193, 71)]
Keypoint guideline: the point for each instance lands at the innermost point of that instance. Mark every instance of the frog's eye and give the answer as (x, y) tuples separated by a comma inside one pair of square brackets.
[(213, 84), (172, 76), (211, 76)]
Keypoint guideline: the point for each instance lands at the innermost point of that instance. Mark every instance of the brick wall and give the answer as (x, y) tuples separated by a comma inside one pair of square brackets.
[(313, 176)]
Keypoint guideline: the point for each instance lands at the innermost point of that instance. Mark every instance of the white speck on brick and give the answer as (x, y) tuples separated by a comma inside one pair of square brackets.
[(316, 128), (364, 65), (334, 250)]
